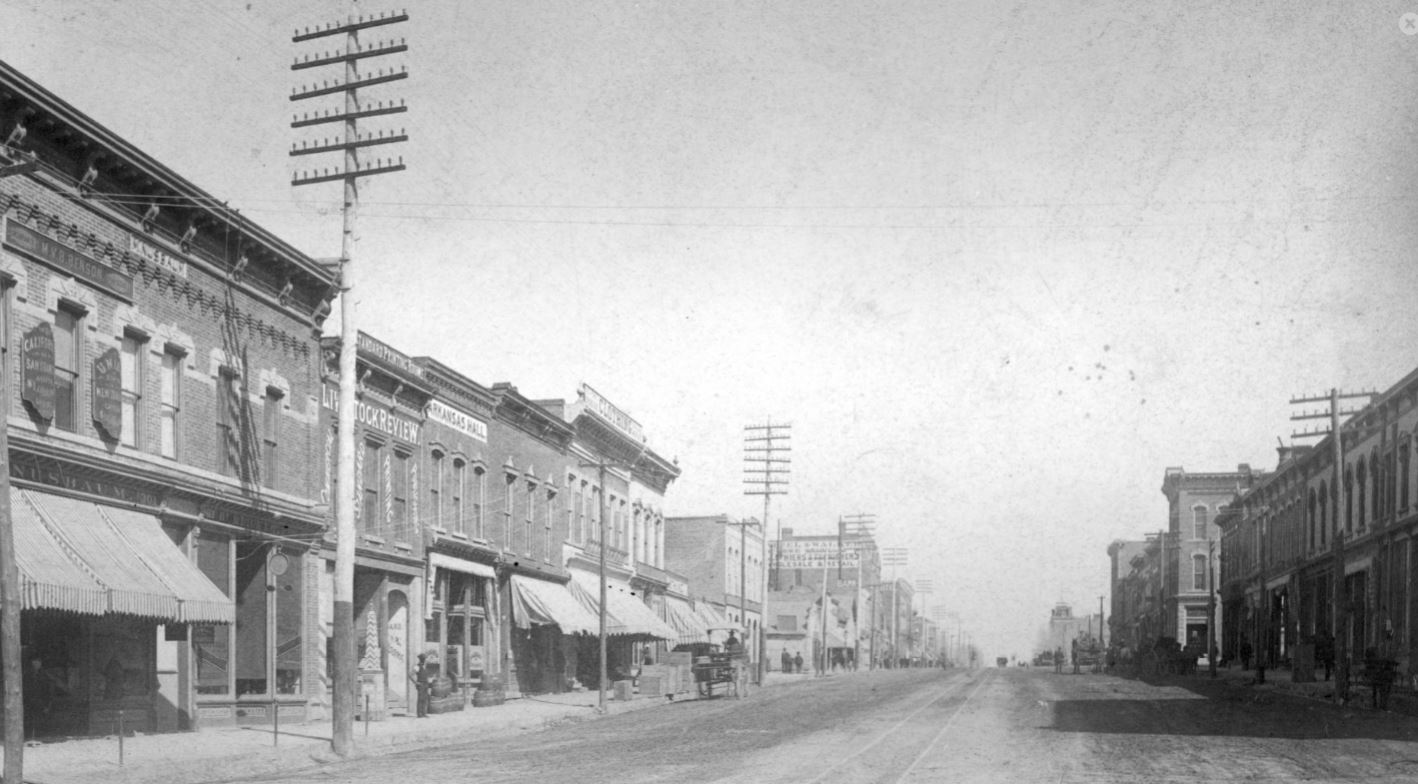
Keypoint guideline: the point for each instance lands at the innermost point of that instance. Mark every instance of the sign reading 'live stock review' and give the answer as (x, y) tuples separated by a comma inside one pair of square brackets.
[(37, 370), (107, 388)]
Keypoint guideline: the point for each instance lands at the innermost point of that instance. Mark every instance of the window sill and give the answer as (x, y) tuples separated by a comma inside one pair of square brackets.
[(408, 548), (458, 535), (374, 539), (440, 531)]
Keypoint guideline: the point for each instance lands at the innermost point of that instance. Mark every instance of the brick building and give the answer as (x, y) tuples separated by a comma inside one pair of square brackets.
[(1191, 549), (389, 552), (722, 559), (162, 404)]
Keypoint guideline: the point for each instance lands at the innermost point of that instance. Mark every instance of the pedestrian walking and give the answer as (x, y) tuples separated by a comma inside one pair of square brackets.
[(787, 661), (736, 653), (1058, 660), (1246, 652), (797, 662)]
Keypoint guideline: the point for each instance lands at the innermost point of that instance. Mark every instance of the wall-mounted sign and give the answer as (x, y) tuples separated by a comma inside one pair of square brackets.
[(375, 349), (604, 409), (812, 554), (37, 372), (67, 260), (380, 419), (466, 424), (57, 474), (157, 256), (107, 387)]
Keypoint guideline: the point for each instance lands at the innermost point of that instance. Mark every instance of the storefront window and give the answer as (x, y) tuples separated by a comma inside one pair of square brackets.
[(211, 643), (268, 620), (251, 638)]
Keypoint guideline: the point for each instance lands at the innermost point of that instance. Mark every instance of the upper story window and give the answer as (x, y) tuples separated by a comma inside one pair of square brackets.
[(371, 515), (1200, 519), (1361, 476), (68, 359), (1404, 461), (509, 500), (399, 491), (550, 523), (271, 405), (229, 457), (531, 512), (1198, 573), (131, 377), (458, 493), (170, 401), (435, 487)]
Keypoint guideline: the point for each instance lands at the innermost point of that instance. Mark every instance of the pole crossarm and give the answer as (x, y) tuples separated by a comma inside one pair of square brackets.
[(375, 50), (363, 141), (352, 26), (306, 120), (368, 171), (357, 84)]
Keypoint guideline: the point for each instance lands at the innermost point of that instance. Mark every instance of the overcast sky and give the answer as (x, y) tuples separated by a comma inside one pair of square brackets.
[(999, 264)]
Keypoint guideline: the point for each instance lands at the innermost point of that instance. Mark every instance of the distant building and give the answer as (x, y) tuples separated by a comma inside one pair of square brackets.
[(1065, 627), (1192, 547), (721, 558)]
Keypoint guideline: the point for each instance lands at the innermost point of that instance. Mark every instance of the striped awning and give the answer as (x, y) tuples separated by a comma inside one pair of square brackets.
[(689, 626), (82, 557), (626, 614), (714, 618), (542, 603)]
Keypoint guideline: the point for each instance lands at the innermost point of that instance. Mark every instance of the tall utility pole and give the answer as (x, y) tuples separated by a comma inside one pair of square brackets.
[(894, 557), (343, 697), (1339, 594), (861, 524), (923, 588), (601, 465), (766, 471), (1211, 645), (12, 163)]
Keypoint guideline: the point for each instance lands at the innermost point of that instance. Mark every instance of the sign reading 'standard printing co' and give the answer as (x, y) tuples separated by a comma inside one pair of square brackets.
[(452, 417), (107, 392)]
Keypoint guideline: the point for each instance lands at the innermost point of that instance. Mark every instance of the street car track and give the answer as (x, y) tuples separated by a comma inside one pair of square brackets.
[(944, 728), (948, 691)]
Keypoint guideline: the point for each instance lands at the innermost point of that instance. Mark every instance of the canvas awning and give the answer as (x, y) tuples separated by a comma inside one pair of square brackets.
[(443, 561), (713, 618), (83, 557), (626, 614), (540, 603), (687, 623)]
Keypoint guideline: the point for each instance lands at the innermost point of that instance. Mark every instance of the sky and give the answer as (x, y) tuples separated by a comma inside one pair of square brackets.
[(999, 264)]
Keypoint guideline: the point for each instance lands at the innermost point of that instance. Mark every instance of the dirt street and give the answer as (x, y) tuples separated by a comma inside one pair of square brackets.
[(928, 725)]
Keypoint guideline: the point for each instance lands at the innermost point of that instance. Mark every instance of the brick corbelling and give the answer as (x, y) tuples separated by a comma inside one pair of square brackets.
[(200, 313)]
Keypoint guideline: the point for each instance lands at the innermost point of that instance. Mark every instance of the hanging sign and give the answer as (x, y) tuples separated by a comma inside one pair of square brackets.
[(37, 372), (107, 388)]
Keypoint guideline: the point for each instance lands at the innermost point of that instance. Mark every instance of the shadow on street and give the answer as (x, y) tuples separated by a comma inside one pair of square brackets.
[(1226, 708)]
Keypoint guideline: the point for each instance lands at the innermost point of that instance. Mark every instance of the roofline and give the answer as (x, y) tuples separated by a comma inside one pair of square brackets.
[(31, 91)]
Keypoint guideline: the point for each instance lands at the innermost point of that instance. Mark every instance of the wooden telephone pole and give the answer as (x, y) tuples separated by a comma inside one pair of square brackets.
[(766, 472), (344, 697), (1339, 593), (12, 163)]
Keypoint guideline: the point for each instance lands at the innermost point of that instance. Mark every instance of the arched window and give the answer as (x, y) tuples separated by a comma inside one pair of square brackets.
[(1361, 476), (1324, 512), (1404, 460), (1311, 524), (1348, 499), (1199, 521)]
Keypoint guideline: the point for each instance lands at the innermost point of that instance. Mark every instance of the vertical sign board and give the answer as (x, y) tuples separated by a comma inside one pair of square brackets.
[(37, 378), (107, 388)]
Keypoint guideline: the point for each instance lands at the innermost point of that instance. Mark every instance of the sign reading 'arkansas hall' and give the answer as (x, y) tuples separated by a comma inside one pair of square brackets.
[(37, 370), (107, 388)]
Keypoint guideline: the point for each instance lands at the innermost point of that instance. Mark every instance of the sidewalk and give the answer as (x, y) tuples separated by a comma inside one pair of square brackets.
[(1401, 700), (222, 752)]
